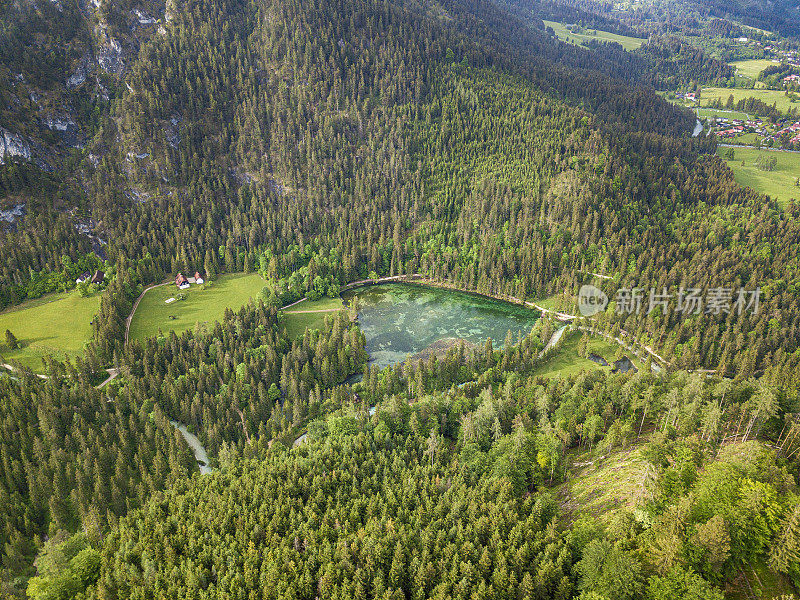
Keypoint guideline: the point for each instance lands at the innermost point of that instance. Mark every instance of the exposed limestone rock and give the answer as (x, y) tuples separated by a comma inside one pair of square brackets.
[(143, 18), (109, 57), (12, 144), (59, 123), (172, 132), (12, 214), (169, 11), (76, 79), (81, 71)]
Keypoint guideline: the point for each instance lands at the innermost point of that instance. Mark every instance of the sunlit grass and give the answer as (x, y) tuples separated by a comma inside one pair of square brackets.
[(202, 304), (56, 324)]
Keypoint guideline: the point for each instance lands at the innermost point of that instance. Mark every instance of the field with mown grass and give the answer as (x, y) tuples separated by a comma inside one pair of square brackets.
[(308, 314), (55, 324), (629, 43), (751, 68), (778, 184), (203, 304), (704, 113), (777, 97)]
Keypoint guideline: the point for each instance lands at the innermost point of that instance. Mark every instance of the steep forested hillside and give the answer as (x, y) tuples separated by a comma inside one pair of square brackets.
[(447, 499), (74, 457), (654, 15), (252, 136), (282, 151)]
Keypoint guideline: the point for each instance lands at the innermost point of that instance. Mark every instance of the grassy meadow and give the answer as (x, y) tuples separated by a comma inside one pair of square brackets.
[(778, 184), (751, 68), (777, 97), (629, 43), (565, 360), (202, 304), (308, 314), (56, 324), (705, 113)]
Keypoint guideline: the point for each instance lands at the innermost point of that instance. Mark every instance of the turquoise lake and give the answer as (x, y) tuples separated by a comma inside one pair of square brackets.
[(400, 320)]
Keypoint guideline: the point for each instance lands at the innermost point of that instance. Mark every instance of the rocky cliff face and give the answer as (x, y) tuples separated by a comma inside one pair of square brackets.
[(62, 62), (43, 101), (11, 145)]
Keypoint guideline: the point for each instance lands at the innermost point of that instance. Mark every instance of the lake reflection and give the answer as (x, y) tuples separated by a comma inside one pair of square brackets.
[(399, 319)]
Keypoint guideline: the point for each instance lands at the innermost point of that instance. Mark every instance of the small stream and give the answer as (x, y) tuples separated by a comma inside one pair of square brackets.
[(698, 128), (553, 340), (200, 454)]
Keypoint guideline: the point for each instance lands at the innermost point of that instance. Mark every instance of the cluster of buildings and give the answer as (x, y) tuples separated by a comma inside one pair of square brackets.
[(96, 277), (793, 129), (730, 128), (734, 127), (732, 132), (774, 52), (182, 282)]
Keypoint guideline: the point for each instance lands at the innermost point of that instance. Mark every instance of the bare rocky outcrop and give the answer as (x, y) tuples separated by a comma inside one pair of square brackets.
[(172, 131), (13, 144), (169, 11), (11, 215), (143, 18), (109, 56), (80, 72), (62, 123)]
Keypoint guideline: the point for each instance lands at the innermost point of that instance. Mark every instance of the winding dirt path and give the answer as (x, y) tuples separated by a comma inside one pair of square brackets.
[(13, 368), (136, 305), (112, 374), (318, 310), (553, 340), (293, 304)]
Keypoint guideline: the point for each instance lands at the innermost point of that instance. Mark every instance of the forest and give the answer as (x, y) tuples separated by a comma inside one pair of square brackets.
[(319, 143), (454, 495)]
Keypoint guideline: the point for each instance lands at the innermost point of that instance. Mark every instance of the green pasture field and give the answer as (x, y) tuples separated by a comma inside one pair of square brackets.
[(629, 43), (56, 324), (203, 304), (309, 314), (778, 184)]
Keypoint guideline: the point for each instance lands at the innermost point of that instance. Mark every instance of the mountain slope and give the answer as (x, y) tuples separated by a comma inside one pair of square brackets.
[(329, 141), (247, 130)]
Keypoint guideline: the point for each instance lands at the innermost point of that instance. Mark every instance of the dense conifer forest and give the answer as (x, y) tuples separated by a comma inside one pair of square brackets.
[(328, 141)]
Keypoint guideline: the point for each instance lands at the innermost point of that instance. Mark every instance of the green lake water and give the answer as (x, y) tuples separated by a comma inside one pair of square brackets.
[(399, 320)]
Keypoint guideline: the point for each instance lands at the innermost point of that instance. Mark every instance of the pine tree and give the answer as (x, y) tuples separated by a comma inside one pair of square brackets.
[(11, 340), (785, 554)]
